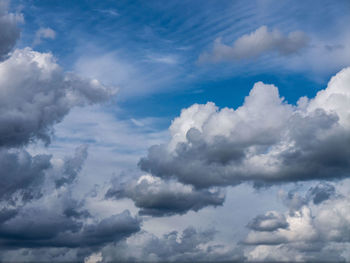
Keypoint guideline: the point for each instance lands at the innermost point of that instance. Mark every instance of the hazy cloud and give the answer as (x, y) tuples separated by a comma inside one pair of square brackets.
[(255, 44), (72, 166), (43, 33)]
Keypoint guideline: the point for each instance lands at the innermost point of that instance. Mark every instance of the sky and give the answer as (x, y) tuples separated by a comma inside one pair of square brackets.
[(174, 131)]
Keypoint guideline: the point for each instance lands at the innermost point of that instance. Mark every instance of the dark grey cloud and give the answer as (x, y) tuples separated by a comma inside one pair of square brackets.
[(321, 193), (265, 141), (40, 227), (270, 221), (9, 31), (255, 44), (164, 198), (7, 213), (22, 174), (36, 94)]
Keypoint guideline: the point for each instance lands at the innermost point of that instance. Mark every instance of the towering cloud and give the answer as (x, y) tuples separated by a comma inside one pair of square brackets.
[(265, 141), (255, 44)]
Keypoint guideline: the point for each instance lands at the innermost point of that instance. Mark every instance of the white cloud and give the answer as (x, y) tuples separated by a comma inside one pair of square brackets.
[(43, 33), (255, 44), (315, 231), (264, 141)]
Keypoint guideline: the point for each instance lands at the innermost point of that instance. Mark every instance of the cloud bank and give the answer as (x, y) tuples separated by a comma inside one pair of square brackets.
[(265, 141)]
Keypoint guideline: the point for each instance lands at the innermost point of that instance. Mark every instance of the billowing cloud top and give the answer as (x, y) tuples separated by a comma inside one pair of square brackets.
[(265, 141), (35, 93)]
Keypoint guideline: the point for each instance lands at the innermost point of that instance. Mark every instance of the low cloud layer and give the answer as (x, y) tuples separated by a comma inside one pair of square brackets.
[(255, 44), (156, 197), (265, 141), (190, 245), (38, 209), (35, 228)]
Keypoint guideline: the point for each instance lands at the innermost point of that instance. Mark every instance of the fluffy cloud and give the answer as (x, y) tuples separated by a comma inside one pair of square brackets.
[(264, 141), (255, 44), (9, 32), (35, 94), (271, 221), (156, 197), (315, 230)]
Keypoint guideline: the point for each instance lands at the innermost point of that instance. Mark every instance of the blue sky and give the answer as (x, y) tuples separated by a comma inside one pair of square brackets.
[(159, 43), (174, 130)]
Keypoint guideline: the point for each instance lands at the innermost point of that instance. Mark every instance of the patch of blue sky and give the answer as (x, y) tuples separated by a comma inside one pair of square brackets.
[(150, 49)]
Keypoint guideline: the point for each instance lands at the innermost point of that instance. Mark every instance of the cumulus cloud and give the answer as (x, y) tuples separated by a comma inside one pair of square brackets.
[(43, 33), (271, 221), (265, 141), (9, 32), (156, 197), (255, 44), (315, 230), (54, 219), (35, 94)]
